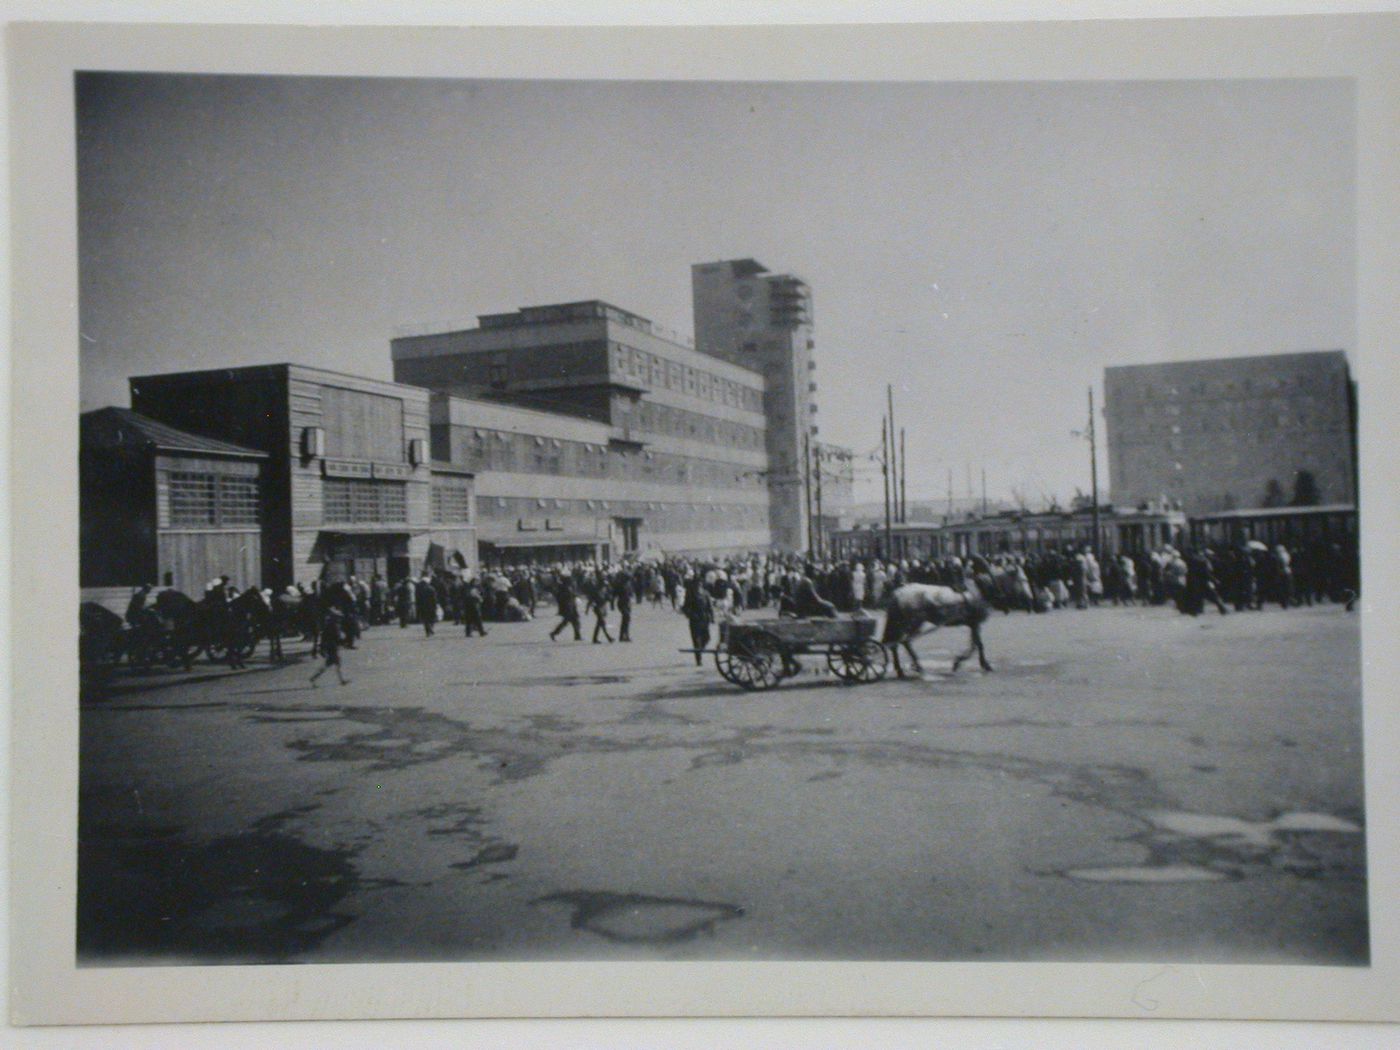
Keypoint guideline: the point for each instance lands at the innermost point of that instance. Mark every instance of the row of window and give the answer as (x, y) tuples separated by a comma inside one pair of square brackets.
[(656, 514), (486, 450), (677, 422), (1257, 429), (212, 500), (1326, 382), (1209, 407), (659, 372), (351, 501)]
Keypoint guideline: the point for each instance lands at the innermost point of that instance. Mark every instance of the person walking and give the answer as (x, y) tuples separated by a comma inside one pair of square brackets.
[(470, 599), (699, 611), (624, 611), (426, 599), (332, 622), (568, 610), (598, 605)]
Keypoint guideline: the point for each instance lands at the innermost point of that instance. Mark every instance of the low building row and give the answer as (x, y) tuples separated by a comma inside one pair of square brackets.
[(281, 474)]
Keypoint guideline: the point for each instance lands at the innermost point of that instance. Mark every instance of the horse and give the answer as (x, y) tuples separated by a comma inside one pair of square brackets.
[(253, 616), (915, 605)]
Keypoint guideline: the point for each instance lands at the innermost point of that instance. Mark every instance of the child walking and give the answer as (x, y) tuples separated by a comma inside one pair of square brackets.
[(330, 645)]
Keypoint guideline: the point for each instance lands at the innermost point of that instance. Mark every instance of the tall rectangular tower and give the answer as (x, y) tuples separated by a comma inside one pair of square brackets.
[(749, 316)]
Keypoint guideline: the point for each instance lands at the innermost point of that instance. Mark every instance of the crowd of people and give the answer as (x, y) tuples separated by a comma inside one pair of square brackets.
[(333, 614)]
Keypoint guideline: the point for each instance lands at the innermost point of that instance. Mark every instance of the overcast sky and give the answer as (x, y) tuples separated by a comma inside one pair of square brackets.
[(987, 248)]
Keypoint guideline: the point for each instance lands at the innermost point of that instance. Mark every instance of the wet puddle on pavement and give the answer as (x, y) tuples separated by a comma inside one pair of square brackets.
[(633, 918), (1203, 847)]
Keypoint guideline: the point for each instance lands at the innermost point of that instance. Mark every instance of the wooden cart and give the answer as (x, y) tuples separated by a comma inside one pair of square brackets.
[(758, 654)]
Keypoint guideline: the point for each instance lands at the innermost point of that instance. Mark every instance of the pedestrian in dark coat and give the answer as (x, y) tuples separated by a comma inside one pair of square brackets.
[(470, 599), (426, 598), (331, 626), (624, 610), (598, 605), (699, 612), (568, 611)]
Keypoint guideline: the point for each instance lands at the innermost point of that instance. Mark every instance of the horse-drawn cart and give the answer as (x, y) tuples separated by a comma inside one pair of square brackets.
[(758, 654)]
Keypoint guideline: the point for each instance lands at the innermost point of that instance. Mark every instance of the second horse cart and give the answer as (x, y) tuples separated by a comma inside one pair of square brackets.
[(758, 654)]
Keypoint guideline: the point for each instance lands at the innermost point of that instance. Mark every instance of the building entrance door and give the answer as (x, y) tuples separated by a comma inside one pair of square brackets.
[(362, 556), (628, 532)]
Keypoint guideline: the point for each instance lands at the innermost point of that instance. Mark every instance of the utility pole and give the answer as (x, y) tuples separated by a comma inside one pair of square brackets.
[(885, 470), (1093, 473), (950, 493), (903, 480), (984, 492), (821, 522), (894, 464)]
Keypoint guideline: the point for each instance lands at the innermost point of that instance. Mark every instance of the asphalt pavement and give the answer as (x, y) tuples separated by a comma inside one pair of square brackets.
[(1127, 784)]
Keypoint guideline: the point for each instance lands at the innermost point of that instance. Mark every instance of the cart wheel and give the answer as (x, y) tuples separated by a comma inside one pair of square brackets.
[(864, 662), (877, 660), (752, 662), (724, 664)]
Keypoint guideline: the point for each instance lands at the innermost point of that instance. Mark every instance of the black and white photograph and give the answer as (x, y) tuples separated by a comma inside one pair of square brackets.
[(669, 520)]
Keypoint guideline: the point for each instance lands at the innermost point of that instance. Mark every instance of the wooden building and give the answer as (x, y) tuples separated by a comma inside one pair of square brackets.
[(348, 487), (166, 507)]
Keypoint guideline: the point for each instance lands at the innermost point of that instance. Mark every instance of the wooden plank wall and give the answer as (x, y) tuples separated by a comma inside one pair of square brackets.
[(194, 558)]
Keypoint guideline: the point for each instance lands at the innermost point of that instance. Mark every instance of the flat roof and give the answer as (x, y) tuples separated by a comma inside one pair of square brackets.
[(1244, 359), (288, 366)]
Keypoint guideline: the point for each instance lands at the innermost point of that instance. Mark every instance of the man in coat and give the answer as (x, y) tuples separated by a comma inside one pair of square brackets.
[(699, 612), (426, 599), (568, 610), (470, 608)]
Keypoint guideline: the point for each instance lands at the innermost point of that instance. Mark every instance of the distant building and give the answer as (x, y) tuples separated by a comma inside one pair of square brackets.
[(587, 426), (669, 448), (1234, 433)]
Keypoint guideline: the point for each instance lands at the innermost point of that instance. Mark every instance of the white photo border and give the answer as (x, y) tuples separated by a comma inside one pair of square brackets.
[(46, 985)]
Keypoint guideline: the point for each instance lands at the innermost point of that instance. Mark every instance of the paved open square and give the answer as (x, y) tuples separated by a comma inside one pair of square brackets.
[(1126, 784)]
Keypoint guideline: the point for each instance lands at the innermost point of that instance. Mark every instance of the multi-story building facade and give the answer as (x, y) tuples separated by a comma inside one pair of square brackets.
[(584, 421), (764, 321), (1235, 433), (703, 449)]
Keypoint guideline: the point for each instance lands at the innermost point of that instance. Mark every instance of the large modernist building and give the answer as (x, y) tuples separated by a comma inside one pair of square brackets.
[(554, 433), (1232, 434), (674, 447)]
